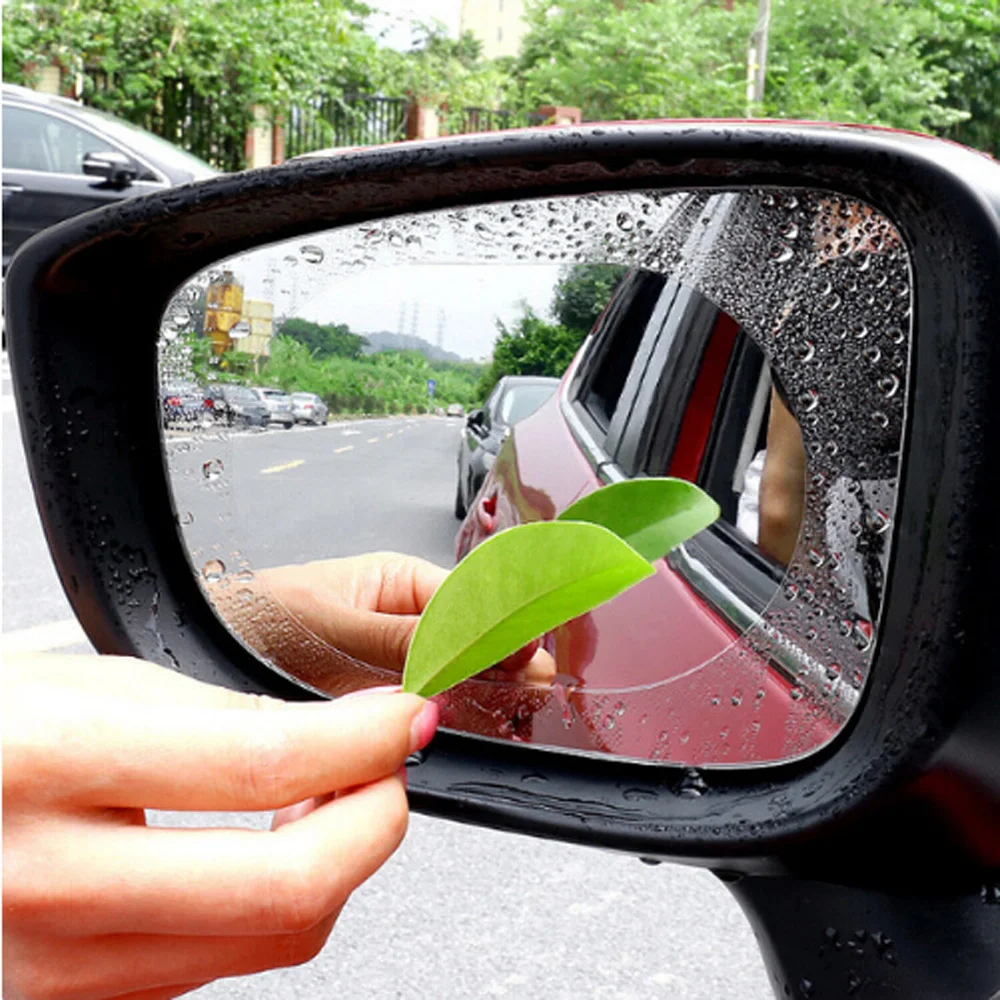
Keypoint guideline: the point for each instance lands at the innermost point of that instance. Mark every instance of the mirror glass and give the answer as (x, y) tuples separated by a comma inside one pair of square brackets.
[(416, 384)]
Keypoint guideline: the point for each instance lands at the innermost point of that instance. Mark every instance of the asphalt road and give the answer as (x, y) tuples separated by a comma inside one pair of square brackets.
[(458, 912)]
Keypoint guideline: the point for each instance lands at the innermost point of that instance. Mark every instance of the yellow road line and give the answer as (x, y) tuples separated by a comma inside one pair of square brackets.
[(40, 638), (347, 447), (373, 440), (283, 468)]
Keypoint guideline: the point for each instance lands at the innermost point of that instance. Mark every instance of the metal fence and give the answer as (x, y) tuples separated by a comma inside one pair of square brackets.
[(355, 120), (214, 130), (490, 120)]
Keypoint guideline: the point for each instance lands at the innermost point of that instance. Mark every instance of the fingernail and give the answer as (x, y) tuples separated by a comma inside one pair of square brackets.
[(382, 689), (423, 727)]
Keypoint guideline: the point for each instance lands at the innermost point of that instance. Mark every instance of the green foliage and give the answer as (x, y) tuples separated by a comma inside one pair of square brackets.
[(583, 292), (501, 595), (324, 340), (387, 382), (931, 65), (448, 74), (532, 346), (158, 62), (964, 41)]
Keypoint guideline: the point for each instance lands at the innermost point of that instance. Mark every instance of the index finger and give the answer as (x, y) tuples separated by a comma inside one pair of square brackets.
[(253, 754)]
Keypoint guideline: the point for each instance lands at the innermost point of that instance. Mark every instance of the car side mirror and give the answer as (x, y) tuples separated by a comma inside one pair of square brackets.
[(822, 711), (116, 168), (477, 418)]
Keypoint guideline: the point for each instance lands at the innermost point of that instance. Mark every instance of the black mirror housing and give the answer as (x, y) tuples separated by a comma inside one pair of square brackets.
[(115, 168), (865, 808)]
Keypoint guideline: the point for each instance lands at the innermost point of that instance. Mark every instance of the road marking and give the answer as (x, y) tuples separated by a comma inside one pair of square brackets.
[(347, 447), (40, 638), (389, 435), (283, 468), (348, 434), (373, 441)]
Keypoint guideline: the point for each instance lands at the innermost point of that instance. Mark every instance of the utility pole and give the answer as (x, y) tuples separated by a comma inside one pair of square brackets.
[(757, 57)]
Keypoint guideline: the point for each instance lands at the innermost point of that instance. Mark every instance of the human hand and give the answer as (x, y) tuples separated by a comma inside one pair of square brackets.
[(97, 904), (369, 605)]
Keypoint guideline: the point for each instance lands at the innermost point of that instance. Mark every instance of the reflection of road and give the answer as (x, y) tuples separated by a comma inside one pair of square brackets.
[(459, 911), (313, 493)]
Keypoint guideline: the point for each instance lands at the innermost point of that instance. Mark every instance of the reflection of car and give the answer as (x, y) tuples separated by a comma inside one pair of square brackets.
[(279, 405), (659, 341), (182, 402), (236, 406), (61, 158), (513, 398), (308, 408), (455, 410)]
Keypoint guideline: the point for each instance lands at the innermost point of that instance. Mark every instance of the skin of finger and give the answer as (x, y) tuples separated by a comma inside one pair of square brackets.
[(380, 581), (108, 752), (112, 965), (87, 878)]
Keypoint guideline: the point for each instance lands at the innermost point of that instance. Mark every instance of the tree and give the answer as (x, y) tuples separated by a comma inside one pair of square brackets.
[(583, 292), (324, 340), (930, 65), (530, 346)]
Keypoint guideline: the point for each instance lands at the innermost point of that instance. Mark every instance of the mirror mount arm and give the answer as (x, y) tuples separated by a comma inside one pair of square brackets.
[(813, 932)]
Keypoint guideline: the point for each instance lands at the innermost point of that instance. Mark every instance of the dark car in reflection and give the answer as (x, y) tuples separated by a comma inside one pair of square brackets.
[(61, 158), (183, 403), (514, 398), (236, 406)]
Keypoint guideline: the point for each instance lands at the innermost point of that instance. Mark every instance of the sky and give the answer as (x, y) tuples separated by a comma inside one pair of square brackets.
[(396, 16)]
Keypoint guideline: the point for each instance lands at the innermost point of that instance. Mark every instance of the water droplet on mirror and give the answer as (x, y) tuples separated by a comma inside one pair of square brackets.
[(625, 222), (804, 351), (692, 785), (311, 253), (244, 596), (872, 354), (808, 400), (880, 419), (737, 698), (213, 570), (245, 575), (185, 517), (888, 385), (832, 303), (781, 253), (212, 469), (795, 693)]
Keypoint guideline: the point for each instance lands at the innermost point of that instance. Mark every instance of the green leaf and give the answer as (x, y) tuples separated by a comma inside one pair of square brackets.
[(652, 515), (514, 587)]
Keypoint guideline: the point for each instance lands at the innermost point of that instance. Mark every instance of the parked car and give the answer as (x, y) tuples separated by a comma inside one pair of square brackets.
[(183, 402), (308, 408), (279, 405), (513, 398), (455, 410), (61, 158), (236, 406)]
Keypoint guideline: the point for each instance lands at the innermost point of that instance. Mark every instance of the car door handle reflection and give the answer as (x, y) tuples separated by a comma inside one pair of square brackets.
[(486, 513)]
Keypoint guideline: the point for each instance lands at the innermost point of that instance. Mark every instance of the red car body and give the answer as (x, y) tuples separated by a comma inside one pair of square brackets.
[(657, 673)]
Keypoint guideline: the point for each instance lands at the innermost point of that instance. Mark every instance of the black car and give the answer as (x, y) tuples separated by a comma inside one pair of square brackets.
[(236, 406), (183, 403), (513, 398), (61, 158)]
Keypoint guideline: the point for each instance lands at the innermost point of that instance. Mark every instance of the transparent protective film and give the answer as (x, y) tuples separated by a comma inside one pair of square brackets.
[(417, 384)]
